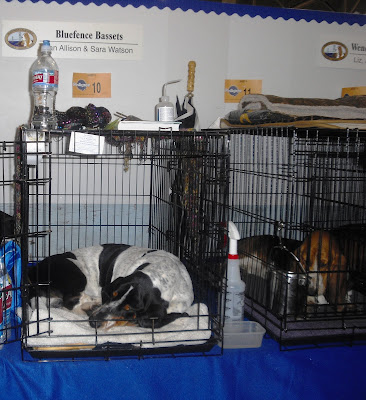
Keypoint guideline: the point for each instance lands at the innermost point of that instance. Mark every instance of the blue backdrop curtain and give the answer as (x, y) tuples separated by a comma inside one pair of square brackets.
[(229, 9)]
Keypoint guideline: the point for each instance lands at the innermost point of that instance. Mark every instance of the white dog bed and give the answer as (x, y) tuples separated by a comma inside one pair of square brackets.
[(61, 329)]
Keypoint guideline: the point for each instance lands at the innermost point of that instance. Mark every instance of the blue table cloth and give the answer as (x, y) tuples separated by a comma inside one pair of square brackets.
[(264, 373)]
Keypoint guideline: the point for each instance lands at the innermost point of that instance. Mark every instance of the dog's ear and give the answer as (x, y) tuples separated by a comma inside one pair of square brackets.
[(337, 277), (146, 302), (308, 252), (331, 255), (142, 298), (152, 308)]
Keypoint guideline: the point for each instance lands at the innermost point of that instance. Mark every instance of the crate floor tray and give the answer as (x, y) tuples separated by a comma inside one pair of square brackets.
[(293, 332), (57, 329), (117, 350)]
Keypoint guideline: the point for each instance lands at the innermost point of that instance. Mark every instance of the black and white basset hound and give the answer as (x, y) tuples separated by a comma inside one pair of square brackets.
[(116, 282)]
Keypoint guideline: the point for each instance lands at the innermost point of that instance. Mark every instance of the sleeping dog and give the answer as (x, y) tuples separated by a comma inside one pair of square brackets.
[(116, 282)]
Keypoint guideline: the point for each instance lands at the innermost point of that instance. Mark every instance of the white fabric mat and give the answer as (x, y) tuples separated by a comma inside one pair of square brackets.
[(60, 327)]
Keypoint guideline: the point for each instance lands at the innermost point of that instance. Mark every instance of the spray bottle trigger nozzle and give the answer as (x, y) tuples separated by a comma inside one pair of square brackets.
[(233, 231)]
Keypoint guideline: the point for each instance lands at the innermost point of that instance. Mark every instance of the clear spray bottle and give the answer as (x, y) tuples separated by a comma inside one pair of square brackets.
[(234, 304)]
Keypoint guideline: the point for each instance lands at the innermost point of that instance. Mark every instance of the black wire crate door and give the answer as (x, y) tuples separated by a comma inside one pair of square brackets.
[(152, 190), (298, 199), (10, 240)]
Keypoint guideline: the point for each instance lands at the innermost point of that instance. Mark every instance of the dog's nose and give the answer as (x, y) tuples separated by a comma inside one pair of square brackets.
[(95, 323)]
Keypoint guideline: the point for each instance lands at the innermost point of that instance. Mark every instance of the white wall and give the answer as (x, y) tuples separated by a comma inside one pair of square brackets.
[(281, 53)]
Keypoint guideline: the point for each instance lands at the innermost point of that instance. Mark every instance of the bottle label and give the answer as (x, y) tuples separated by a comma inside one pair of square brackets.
[(43, 78), (234, 306), (6, 298), (166, 114)]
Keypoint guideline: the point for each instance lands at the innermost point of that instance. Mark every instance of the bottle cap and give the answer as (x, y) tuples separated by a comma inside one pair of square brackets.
[(46, 45)]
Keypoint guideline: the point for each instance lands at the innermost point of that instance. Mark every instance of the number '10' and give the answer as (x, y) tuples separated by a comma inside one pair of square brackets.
[(97, 87)]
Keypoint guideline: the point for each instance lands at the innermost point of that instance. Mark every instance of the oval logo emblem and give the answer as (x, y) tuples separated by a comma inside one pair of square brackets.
[(334, 51), (233, 90), (82, 85), (20, 39)]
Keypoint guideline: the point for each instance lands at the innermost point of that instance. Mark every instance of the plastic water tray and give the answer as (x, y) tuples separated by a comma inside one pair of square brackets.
[(243, 334)]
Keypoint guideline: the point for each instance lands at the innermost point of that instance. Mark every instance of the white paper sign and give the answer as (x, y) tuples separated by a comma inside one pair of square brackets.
[(342, 52), (35, 141), (36, 145), (86, 143), (72, 39)]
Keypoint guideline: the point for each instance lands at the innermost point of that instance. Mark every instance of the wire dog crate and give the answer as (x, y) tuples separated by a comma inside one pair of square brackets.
[(298, 199), (160, 190), (10, 251)]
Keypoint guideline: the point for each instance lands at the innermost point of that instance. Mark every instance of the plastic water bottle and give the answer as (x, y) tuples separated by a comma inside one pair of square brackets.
[(44, 73)]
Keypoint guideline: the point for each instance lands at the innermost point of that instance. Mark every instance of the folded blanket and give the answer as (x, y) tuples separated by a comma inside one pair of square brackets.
[(257, 109), (59, 327)]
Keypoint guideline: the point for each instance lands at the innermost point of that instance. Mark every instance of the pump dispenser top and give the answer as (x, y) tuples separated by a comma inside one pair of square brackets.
[(164, 110)]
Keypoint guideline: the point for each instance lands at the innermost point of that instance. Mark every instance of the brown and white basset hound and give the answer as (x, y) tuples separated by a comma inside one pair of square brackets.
[(321, 257)]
